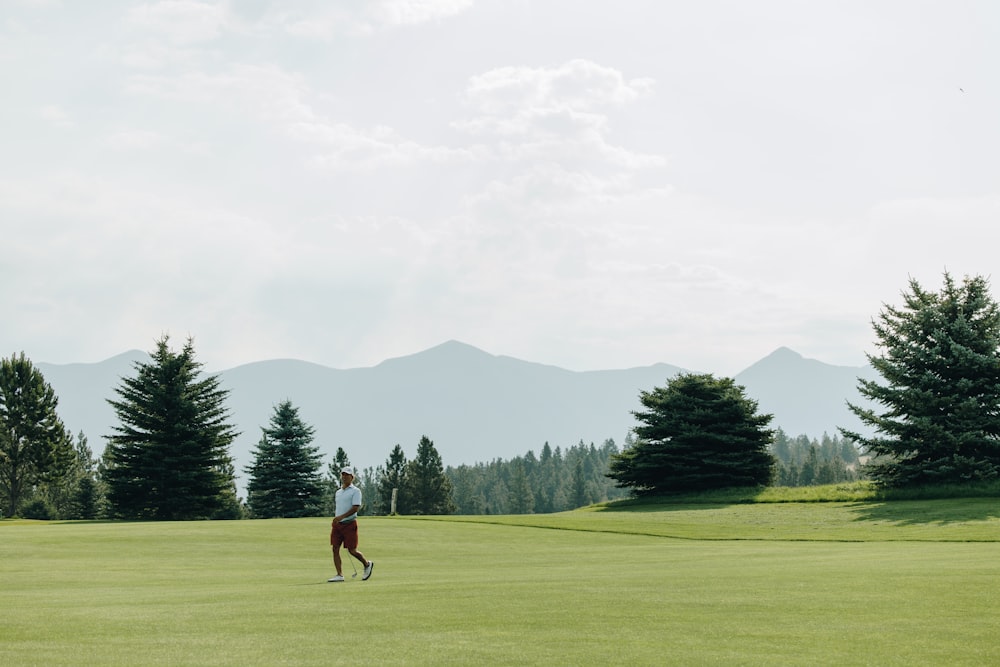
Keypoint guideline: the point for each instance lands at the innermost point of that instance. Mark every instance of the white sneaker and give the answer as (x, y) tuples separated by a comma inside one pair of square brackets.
[(368, 570), (339, 577)]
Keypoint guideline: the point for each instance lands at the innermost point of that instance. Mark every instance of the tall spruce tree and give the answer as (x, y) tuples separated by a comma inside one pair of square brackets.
[(940, 363), (427, 488), (522, 499), (86, 497), (285, 478), (169, 457), (698, 433), (35, 446), (74, 495)]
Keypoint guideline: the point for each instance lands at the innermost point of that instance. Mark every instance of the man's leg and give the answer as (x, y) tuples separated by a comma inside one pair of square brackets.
[(336, 560), (360, 556), (336, 540)]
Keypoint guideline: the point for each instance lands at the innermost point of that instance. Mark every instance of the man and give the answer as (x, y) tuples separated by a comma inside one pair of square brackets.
[(345, 525)]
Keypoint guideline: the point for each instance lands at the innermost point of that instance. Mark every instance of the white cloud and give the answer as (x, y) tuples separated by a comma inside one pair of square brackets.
[(56, 116), (327, 21), (135, 140), (179, 21), (413, 12), (130, 140), (545, 190), (554, 114), (284, 101), (578, 85), (266, 91), (341, 146), (38, 4)]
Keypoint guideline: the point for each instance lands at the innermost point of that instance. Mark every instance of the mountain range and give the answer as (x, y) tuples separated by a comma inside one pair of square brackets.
[(475, 406)]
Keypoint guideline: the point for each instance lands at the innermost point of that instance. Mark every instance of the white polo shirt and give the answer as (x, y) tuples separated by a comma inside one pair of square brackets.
[(346, 499)]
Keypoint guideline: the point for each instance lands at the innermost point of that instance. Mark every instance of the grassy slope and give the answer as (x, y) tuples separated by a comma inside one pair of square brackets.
[(788, 583)]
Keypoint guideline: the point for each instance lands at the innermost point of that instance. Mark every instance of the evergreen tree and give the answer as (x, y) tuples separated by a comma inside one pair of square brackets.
[(284, 476), (230, 506), (940, 363), (35, 447), (545, 481), (780, 446), (497, 494), (468, 500), (579, 485), (800, 461), (367, 480), (809, 471), (522, 500), (340, 461), (788, 474), (169, 457), (697, 433), (87, 494), (391, 477), (428, 489), (78, 496)]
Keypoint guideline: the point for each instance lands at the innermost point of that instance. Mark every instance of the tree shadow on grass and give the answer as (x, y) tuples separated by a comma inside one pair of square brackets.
[(914, 512)]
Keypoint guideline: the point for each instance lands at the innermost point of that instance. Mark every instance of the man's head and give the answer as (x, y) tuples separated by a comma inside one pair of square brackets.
[(347, 473)]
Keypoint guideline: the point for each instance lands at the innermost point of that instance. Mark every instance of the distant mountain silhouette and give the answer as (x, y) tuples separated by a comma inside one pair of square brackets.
[(804, 395), (475, 406), (83, 391)]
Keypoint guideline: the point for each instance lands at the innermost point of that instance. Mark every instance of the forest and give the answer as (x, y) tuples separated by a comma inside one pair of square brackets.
[(557, 479)]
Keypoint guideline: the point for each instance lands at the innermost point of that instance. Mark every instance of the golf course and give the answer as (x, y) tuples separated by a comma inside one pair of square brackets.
[(909, 582)]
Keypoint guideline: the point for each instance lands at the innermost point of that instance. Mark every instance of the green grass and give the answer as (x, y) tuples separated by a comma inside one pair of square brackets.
[(652, 583)]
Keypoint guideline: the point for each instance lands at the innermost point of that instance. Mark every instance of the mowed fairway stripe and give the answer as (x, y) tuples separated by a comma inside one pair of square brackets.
[(453, 592)]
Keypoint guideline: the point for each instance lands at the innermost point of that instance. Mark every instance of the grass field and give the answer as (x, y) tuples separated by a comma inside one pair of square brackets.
[(864, 583)]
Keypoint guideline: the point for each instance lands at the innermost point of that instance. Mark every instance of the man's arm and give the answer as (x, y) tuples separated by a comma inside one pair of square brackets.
[(354, 510)]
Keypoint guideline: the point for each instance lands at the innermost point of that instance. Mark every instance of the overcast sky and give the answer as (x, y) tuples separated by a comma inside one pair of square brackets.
[(587, 184)]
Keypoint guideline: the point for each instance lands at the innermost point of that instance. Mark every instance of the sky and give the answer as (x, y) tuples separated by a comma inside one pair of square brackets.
[(591, 185)]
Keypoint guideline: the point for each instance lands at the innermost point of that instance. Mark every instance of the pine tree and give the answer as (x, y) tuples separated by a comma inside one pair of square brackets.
[(367, 480), (940, 364), (169, 457), (545, 484), (81, 497), (780, 446), (284, 476), (468, 500), (428, 489), (809, 471), (579, 485), (522, 500), (697, 433), (391, 477), (35, 447)]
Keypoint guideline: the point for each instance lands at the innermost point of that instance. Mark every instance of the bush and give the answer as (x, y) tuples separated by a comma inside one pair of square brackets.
[(39, 508)]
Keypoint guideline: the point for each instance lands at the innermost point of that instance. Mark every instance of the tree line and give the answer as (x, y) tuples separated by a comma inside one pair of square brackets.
[(802, 461), (555, 480), (168, 458)]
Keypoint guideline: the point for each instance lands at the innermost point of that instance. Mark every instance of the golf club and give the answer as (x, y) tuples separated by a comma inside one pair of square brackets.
[(353, 566)]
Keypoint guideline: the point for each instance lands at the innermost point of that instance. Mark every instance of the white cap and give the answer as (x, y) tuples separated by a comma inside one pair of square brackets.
[(349, 470)]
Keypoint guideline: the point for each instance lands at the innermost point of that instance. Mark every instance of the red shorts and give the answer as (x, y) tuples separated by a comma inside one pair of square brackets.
[(346, 534)]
